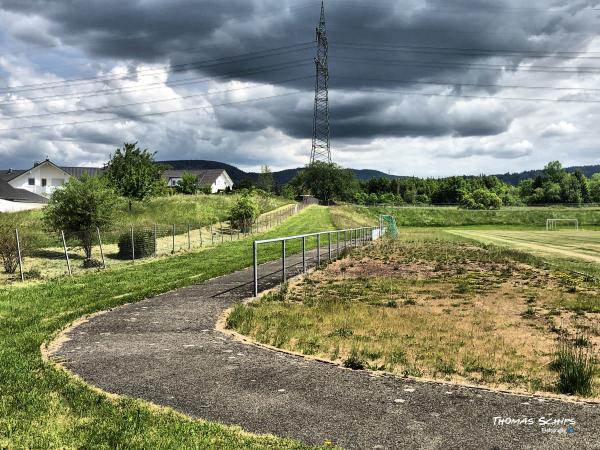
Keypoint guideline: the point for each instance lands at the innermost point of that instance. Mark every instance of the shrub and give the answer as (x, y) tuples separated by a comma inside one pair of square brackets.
[(245, 211), (576, 368), (8, 243), (354, 362), (143, 244)]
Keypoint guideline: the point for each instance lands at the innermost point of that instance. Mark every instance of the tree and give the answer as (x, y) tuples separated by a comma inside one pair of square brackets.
[(594, 186), (188, 184), (266, 182), (244, 212), (326, 181), (79, 208), (134, 173)]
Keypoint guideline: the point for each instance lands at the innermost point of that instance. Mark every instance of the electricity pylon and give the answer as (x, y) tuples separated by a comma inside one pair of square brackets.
[(321, 149)]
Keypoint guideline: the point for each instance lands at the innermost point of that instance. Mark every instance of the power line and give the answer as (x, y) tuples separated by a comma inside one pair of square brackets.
[(171, 83), (473, 66), (165, 69), (450, 51), (161, 113), (437, 94), (148, 102), (481, 85)]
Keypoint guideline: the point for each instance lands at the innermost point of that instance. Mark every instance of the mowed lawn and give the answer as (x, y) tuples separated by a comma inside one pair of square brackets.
[(575, 245), (43, 407)]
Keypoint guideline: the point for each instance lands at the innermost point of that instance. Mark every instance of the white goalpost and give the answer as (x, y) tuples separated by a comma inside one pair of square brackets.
[(552, 224)]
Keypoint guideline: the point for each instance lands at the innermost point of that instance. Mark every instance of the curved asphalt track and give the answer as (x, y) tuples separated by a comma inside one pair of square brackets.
[(166, 350)]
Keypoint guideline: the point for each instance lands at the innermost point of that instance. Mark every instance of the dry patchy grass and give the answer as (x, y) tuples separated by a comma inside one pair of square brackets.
[(431, 307)]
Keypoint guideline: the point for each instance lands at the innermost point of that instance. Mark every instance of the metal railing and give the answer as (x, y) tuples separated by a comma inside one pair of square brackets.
[(344, 239)]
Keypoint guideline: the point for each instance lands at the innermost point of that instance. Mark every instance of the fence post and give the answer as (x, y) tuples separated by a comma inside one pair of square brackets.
[(66, 253), (222, 238), (132, 244), (101, 249), (200, 231), (155, 237), (283, 259), (329, 244), (255, 253), (19, 254), (189, 237), (304, 254), (338, 244), (318, 249), (173, 239)]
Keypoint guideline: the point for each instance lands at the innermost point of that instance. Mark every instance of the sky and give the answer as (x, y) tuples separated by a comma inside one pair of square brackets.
[(417, 87)]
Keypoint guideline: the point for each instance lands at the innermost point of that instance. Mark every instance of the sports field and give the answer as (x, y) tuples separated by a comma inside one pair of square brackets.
[(579, 245)]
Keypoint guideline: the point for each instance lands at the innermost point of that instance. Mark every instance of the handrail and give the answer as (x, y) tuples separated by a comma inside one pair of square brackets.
[(358, 236)]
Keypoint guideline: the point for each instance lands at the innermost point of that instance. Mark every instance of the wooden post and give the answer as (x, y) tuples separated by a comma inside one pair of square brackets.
[(200, 231), (19, 255), (101, 249), (66, 253), (189, 237), (173, 247)]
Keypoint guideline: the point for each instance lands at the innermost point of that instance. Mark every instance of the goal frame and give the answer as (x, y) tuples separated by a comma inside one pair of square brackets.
[(552, 223)]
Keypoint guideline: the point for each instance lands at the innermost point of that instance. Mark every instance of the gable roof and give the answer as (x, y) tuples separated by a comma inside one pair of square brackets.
[(10, 174), (78, 172), (7, 192), (205, 177)]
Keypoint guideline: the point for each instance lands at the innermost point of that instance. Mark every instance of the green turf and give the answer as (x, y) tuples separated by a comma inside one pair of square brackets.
[(42, 407), (525, 218)]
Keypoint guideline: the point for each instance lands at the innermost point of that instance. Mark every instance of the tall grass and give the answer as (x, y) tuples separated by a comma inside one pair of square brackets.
[(576, 367)]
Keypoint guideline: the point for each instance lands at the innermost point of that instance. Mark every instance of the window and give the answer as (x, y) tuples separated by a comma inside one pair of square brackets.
[(31, 181), (44, 182)]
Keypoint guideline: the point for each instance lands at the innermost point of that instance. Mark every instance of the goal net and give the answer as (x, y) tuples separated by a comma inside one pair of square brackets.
[(555, 224)]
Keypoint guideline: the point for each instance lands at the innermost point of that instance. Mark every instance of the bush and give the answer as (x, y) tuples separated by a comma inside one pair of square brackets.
[(354, 362), (143, 244), (8, 243), (576, 368), (244, 212)]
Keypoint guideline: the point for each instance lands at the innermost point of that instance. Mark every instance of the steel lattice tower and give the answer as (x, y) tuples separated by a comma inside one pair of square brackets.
[(321, 149)]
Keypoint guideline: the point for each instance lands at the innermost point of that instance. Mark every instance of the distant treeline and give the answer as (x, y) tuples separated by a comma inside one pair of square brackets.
[(553, 186)]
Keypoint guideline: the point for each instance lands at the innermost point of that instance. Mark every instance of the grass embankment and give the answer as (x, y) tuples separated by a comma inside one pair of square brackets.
[(436, 306), (41, 407), (44, 254), (525, 217)]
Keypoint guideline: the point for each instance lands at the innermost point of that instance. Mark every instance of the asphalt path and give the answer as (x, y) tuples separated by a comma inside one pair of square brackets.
[(167, 350)]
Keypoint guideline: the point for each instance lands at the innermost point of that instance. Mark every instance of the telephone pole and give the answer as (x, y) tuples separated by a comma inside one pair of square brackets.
[(321, 149)]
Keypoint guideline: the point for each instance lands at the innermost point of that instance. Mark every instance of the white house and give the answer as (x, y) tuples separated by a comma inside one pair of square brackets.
[(218, 179), (41, 179), (12, 200), (44, 177)]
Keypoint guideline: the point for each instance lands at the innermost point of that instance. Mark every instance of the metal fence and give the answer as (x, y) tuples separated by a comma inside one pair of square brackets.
[(309, 247), (38, 254)]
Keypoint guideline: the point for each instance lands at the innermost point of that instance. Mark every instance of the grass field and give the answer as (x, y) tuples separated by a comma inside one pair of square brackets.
[(433, 305), (41, 407), (576, 245), (525, 217)]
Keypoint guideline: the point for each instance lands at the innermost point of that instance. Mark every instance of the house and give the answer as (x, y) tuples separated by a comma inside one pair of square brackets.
[(218, 179), (12, 200), (44, 177), (41, 179)]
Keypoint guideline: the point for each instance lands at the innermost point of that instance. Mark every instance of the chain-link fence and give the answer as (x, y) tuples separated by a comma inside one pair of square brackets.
[(28, 254)]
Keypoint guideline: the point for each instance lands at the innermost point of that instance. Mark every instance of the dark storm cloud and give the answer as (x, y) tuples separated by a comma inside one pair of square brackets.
[(383, 44)]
